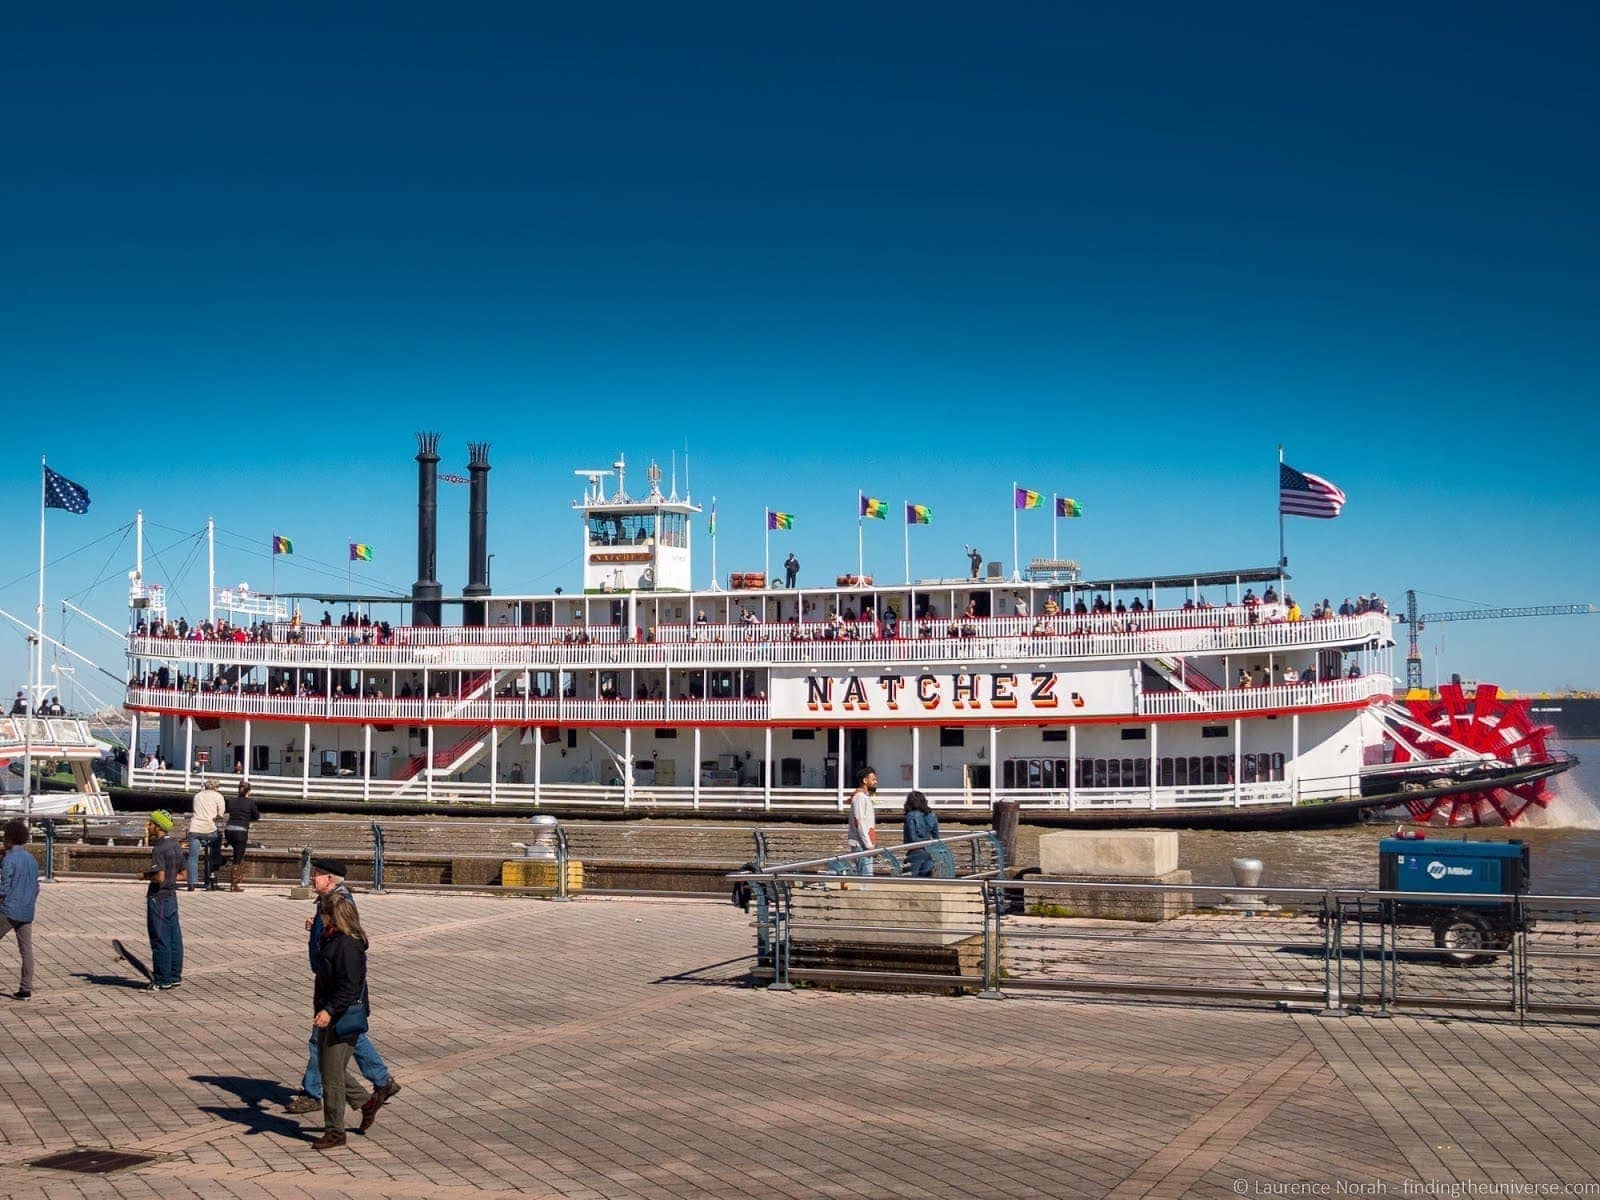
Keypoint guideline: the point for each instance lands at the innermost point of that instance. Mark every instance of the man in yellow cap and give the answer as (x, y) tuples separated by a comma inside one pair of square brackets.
[(165, 872)]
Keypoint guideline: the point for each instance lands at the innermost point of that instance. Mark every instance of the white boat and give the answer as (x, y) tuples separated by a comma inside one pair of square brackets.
[(1186, 698), (65, 740)]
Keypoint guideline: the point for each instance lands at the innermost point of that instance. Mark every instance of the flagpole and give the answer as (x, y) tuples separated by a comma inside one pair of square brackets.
[(766, 536), (274, 570), (907, 528), (35, 666), (713, 522), (1016, 563), (861, 523), (211, 570), (1055, 513), (1283, 559)]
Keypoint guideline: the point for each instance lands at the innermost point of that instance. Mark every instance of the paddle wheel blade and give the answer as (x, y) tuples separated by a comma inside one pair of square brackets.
[(1489, 723)]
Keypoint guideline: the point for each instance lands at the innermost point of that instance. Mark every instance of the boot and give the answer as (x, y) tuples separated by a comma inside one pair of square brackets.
[(235, 872)]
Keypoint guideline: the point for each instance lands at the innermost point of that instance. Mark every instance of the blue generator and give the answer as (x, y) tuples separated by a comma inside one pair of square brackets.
[(1464, 928)]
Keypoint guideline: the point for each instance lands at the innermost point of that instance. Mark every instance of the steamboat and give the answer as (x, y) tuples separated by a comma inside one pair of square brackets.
[(1194, 699)]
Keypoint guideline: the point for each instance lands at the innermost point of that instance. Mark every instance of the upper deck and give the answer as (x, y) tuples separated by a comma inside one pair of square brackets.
[(1063, 636)]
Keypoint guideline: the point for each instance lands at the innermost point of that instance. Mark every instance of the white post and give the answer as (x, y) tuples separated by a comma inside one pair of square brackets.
[(916, 758), (994, 758), (1238, 738), (1072, 768), (133, 746), (366, 762), (766, 783), (1155, 760), (839, 773), (538, 763), (211, 569), (696, 772), (305, 760), (427, 766), (627, 766), (247, 749), (494, 761), (188, 749), (1293, 772)]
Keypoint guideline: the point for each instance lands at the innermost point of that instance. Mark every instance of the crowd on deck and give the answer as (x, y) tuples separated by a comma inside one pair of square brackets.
[(1098, 614)]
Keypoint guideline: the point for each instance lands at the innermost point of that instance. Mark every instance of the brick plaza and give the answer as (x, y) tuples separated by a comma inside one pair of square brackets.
[(604, 1048)]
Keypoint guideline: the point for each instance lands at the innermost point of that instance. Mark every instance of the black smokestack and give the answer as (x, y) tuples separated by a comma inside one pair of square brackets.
[(425, 592), (477, 535)]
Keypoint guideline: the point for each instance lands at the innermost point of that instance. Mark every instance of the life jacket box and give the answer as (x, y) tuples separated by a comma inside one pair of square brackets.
[(853, 581), (746, 581)]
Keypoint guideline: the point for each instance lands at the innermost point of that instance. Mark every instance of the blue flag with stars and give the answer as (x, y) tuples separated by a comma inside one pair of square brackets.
[(61, 492)]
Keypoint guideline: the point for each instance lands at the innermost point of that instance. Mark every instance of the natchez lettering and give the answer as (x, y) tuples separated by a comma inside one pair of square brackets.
[(967, 691)]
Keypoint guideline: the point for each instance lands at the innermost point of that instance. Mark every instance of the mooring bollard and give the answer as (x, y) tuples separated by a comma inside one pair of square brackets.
[(377, 857), (305, 867), (49, 849)]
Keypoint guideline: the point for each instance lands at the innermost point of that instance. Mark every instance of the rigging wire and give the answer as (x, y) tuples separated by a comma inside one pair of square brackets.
[(64, 557), (245, 544)]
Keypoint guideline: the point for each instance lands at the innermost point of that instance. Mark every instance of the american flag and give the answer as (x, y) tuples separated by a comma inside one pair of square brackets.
[(1304, 495), (61, 492)]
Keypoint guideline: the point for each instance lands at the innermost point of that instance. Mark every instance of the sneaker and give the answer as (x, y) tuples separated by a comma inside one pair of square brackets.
[(380, 1096), (304, 1104), (21, 994)]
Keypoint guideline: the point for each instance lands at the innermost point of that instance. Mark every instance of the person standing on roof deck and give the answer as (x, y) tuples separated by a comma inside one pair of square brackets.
[(19, 894), (791, 570), (863, 829), (327, 878)]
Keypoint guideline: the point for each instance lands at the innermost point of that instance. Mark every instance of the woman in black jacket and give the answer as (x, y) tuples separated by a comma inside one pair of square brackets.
[(242, 813), (340, 996)]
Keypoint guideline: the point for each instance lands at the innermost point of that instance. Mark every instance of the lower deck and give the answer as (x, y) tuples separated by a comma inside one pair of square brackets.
[(1271, 759)]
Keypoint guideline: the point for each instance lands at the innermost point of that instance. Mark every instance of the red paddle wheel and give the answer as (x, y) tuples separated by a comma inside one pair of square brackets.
[(1492, 724)]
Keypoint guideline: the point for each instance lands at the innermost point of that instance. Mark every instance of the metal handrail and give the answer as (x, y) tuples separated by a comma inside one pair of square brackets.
[(787, 869), (1364, 958)]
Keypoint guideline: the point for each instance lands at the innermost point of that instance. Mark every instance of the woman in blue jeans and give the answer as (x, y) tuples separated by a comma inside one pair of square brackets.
[(920, 825)]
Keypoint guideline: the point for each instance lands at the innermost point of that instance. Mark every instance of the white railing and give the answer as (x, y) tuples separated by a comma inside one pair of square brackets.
[(415, 711), (47, 733), (686, 798), (1260, 699), (749, 649)]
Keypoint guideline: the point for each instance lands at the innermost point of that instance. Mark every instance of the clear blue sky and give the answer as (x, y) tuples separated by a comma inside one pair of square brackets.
[(922, 250)]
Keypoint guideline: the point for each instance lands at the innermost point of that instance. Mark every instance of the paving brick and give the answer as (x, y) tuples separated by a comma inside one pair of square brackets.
[(605, 1049)]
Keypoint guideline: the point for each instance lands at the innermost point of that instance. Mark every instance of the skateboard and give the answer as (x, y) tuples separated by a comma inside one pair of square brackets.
[(132, 959)]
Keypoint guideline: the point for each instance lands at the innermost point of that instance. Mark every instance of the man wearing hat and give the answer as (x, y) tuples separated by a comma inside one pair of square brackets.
[(204, 839), (161, 902), (327, 875)]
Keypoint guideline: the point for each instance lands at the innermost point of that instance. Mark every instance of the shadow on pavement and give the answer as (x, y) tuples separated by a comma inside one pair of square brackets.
[(255, 1115), (731, 972), (121, 981)]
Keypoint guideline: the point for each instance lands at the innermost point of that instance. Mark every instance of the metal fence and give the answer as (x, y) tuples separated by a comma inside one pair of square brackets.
[(1372, 951)]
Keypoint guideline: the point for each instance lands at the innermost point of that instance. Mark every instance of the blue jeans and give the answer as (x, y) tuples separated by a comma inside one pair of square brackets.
[(860, 866), (166, 937), (208, 843), (368, 1061)]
